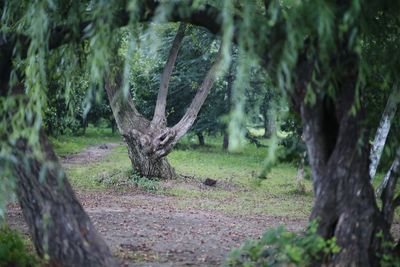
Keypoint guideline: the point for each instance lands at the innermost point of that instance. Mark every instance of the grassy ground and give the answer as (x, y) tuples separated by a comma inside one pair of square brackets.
[(240, 191), (69, 144)]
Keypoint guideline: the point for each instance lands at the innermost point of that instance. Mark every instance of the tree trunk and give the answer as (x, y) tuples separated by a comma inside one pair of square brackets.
[(58, 224), (141, 136), (337, 144), (60, 228), (230, 81), (300, 174), (383, 131), (225, 142), (145, 164), (200, 137)]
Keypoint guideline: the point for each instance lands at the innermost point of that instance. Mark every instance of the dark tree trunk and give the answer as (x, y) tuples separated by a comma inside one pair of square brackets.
[(230, 80), (59, 226), (225, 142), (338, 149), (200, 137)]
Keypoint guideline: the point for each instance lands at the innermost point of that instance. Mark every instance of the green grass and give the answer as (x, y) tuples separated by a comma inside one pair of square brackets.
[(69, 144), (239, 191)]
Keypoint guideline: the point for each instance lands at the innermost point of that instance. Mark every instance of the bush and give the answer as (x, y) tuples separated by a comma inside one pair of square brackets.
[(13, 250), (279, 247)]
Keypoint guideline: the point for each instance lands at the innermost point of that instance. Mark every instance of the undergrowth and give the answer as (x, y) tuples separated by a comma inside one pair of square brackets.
[(279, 247), (14, 251)]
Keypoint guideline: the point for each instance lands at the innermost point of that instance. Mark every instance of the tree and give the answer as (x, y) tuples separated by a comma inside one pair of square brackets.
[(150, 141)]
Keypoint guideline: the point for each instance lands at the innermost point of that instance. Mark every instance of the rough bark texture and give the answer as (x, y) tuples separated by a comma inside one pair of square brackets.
[(57, 222), (338, 149), (59, 226)]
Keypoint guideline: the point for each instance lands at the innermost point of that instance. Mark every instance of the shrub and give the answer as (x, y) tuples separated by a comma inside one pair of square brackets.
[(279, 247), (13, 250), (144, 183)]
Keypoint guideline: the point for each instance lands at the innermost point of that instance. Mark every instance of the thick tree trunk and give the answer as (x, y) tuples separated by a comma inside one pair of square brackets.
[(144, 163), (60, 228), (344, 200), (141, 136)]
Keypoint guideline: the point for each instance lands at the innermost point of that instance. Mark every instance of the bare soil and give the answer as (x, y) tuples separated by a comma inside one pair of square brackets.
[(146, 229)]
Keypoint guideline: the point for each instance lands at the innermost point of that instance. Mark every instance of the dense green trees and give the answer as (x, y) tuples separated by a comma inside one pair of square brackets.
[(327, 56)]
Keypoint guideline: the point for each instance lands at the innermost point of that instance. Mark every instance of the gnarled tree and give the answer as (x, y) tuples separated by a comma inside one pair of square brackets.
[(150, 141)]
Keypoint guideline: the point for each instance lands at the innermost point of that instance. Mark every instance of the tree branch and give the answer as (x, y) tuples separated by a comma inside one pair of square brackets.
[(159, 112), (191, 113), (124, 110)]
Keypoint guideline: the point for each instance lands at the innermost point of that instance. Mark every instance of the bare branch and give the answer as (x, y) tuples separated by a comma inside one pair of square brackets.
[(191, 113), (388, 205), (159, 112)]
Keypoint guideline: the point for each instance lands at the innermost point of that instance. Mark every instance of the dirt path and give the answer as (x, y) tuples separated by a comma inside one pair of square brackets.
[(146, 229), (90, 154)]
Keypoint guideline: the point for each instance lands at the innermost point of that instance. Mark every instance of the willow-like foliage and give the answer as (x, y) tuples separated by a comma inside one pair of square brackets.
[(275, 34)]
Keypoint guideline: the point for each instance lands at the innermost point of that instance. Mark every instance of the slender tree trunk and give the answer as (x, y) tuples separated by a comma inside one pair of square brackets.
[(200, 137), (300, 174), (230, 80), (383, 131), (59, 226), (225, 142)]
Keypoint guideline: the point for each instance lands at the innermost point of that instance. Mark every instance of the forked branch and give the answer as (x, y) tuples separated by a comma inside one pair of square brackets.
[(159, 112), (191, 113)]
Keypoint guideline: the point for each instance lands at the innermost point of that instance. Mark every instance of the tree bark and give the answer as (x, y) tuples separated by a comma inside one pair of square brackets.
[(383, 131), (59, 226), (337, 144)]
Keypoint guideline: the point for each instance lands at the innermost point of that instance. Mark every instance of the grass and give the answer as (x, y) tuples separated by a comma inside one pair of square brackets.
[(69, 144), (239, 191)]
